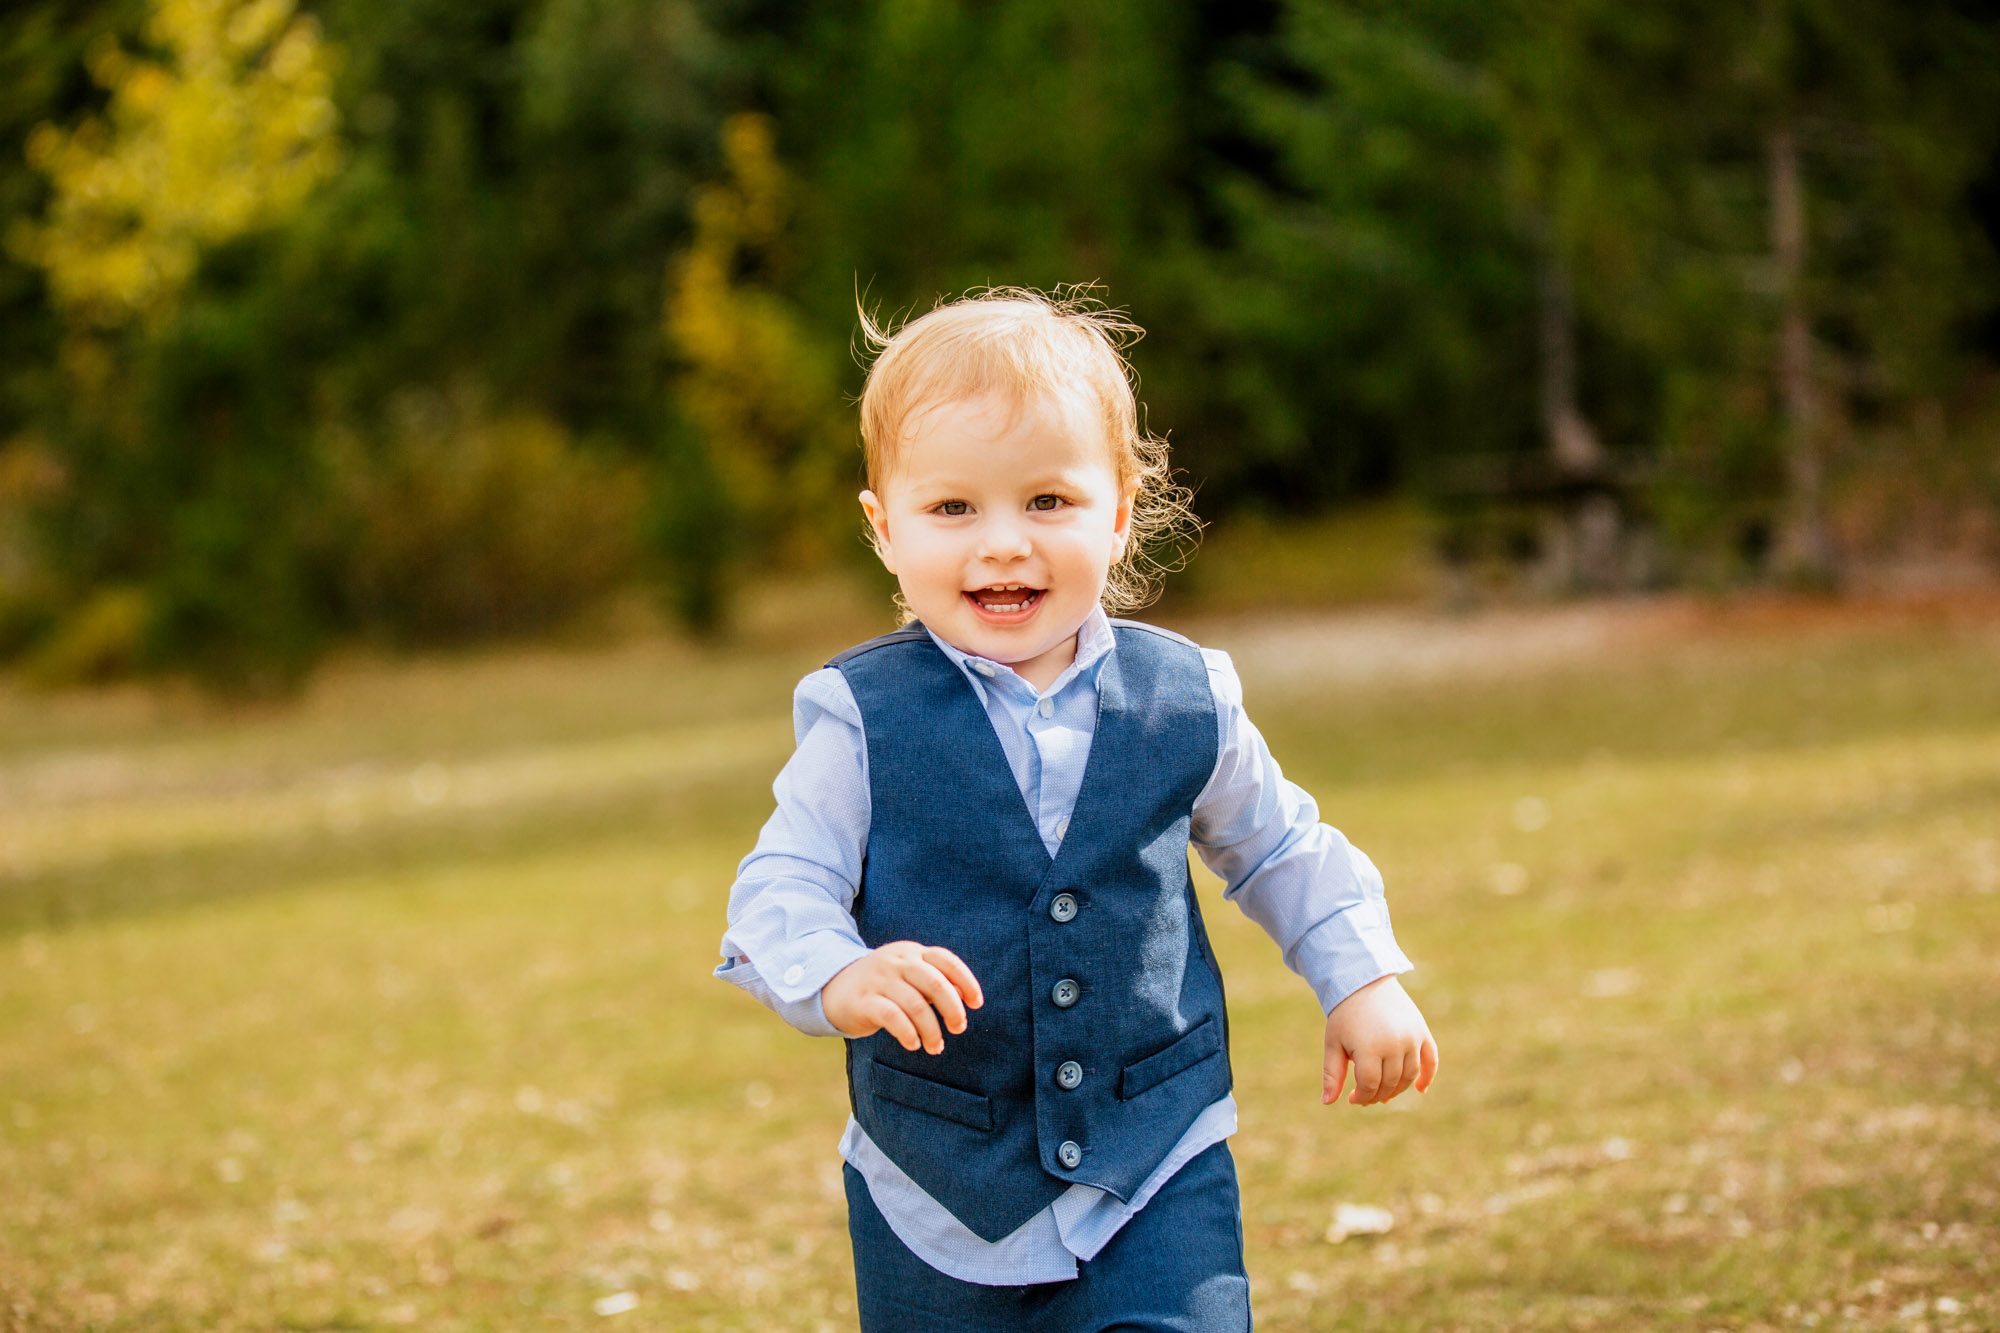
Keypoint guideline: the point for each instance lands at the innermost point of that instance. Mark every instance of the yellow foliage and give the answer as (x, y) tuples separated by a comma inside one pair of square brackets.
[(230, 133), (103, 639), (468, 520), (760, 394)]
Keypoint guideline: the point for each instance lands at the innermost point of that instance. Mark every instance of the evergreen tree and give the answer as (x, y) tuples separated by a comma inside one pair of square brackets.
[(1382, 293), (1767, 204)]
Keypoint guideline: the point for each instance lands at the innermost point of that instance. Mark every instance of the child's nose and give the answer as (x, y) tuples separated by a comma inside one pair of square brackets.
[(1003, 539)]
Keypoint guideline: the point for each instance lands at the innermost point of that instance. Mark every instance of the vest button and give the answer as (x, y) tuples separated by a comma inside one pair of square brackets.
[(1065, 993), (1063, 907), (1070, 1154), (1068, 1075)]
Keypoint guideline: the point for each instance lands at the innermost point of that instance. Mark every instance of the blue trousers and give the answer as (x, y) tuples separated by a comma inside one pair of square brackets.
[(1176, 1267)]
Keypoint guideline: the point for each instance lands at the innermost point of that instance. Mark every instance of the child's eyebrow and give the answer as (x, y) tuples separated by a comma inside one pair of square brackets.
[(933, 489), (1055, 481), (942, 489)]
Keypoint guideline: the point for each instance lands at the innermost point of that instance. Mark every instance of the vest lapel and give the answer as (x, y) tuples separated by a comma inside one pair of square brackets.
[(987, 751)]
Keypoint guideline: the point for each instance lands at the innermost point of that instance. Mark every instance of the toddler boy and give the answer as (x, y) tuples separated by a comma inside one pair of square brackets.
[(977, 869)]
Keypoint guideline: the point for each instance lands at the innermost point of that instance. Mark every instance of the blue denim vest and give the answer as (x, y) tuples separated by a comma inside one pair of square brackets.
[(1103, 1035)]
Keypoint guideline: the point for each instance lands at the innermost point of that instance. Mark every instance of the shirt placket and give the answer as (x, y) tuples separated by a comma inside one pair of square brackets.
[(1051, 741), (1055, 744)]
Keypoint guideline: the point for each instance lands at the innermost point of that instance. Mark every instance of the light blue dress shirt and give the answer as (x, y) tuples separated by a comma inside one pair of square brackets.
[(790, 927)]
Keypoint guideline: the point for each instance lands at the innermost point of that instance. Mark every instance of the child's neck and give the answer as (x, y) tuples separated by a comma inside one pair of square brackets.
[(1041, 672)]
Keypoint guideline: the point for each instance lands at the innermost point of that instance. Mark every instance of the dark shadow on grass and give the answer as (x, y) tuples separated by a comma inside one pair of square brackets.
[(136, 884)]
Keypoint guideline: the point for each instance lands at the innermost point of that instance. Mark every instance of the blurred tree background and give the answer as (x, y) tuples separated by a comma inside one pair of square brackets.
[(425, 321)]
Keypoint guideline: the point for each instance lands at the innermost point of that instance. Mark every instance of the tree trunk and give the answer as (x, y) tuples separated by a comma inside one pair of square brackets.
[(1804, 550), (1583, 537), (1572, 443)]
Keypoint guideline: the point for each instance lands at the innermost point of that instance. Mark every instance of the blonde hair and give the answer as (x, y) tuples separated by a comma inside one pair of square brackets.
[(1024, 344)]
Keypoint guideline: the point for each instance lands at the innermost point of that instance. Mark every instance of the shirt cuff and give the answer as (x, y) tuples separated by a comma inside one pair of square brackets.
[(794, 993), (1348, 950), (807, 1015)]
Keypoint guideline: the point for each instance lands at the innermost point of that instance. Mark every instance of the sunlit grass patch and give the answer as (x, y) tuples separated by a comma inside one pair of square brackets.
[(1709, 953)]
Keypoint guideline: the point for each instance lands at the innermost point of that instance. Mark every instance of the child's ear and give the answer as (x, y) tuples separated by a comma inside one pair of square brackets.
[(878, 525), (1122, 525)]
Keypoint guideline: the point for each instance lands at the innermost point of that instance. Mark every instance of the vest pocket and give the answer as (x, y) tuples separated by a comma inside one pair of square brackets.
[(939, 1099), (1202, 1040)]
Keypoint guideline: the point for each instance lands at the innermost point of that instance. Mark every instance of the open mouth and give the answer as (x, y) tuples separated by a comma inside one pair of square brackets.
[(1006, 601)]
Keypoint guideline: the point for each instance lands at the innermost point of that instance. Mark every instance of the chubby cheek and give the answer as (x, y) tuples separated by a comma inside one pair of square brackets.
[(929, 559), (1086, 554)]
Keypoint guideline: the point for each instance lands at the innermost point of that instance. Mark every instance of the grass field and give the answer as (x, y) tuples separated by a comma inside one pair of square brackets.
[(391, 1007)]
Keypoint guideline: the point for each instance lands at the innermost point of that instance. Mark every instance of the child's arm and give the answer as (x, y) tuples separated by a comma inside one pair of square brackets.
[(1318, 897), (791, 925), (792, 942)]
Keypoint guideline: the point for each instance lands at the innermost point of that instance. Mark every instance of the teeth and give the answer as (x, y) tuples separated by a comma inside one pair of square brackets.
[(1025, 599)]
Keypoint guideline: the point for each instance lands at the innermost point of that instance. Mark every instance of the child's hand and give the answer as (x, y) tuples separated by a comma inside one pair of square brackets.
[(895, 987), (1379, 1029)]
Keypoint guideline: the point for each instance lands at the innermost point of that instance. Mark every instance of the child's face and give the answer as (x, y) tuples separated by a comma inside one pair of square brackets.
[(1001, 526)]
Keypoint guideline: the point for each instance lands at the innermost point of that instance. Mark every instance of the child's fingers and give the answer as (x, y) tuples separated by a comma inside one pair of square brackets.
[(888, 1016), (938, 990), (1392, 1069), (918, 1010), (1398, 1073), (957, 973), (1429, 1058), (1333, 1076), (1367, 1080)]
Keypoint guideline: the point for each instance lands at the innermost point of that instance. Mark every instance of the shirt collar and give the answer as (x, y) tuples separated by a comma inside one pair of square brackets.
[(1094, 642)]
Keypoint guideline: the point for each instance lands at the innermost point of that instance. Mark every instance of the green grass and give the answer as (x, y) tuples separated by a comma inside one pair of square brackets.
[(391, 1008)]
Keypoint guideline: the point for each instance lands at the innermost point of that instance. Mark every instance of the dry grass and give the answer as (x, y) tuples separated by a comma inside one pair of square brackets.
[(392, 1008)]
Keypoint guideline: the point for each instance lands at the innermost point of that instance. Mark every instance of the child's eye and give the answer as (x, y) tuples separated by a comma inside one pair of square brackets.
[(953, 507), (1046, 502)]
